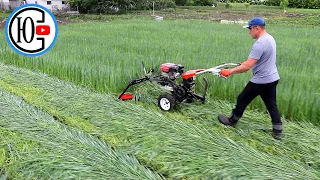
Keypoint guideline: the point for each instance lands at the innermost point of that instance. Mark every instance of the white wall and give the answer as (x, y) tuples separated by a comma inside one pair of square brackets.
[(4, 4), (54, 3)]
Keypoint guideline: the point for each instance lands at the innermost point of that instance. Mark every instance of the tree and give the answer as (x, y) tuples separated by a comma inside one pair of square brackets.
[(117, 6), (284, 4)]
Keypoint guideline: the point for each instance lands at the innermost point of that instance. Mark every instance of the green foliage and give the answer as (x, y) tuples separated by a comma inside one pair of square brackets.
[(235, 1), (158, 4), (227, 5), (118, 6), (272, 2), (311, 4), (284, 4), (101, 6), (190, 3), (181, 2), (203, 2), (163, 4)]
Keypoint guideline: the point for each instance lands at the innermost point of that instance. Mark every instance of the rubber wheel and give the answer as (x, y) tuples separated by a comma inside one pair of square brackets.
[(166, 102)]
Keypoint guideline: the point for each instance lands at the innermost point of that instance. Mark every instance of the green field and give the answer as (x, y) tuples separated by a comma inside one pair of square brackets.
[(106, 55), (60, 117)]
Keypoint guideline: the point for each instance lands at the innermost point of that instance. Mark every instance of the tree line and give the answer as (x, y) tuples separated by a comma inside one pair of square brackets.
[(120, 6)]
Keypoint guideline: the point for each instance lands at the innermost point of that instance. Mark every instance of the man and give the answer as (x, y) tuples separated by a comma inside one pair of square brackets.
[(262, 60)]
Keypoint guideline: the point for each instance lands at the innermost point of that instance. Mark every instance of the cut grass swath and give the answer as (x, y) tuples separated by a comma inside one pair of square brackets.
[(57, 151)]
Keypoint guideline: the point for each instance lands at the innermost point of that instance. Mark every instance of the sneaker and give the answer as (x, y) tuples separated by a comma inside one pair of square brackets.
[(277, 131), (226, 120), (277, 136)]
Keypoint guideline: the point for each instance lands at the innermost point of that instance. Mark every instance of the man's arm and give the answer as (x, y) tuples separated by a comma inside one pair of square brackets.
[(244, 67)]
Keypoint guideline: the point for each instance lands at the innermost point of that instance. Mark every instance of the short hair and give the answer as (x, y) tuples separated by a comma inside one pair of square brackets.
[(263, 27)]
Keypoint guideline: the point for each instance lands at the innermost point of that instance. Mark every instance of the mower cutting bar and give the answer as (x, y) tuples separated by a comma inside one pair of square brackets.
[(133, 82)]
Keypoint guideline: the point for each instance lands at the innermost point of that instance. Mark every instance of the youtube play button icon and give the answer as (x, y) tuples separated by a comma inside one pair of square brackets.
[(42, 30)]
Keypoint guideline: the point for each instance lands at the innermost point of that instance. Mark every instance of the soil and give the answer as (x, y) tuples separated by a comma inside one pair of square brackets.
[(217, 16)]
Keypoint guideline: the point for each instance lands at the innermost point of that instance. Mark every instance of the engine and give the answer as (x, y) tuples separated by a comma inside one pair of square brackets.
[(172, 71)]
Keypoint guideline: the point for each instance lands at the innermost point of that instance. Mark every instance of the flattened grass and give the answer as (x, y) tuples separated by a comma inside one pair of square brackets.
[(34, 145), (185, 144)]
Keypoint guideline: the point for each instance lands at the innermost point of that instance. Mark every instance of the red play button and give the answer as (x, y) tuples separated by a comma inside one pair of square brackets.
[(42, 30)]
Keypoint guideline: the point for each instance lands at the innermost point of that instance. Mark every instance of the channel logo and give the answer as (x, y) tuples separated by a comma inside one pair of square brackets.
[(31, 30)]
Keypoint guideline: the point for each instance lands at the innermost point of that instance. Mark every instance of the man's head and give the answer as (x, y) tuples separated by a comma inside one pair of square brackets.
[(256, 26)]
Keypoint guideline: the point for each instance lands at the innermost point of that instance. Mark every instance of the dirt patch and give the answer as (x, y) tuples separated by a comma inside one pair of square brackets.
[(218, 15), (2, 23), (64, 21), (295, 15)]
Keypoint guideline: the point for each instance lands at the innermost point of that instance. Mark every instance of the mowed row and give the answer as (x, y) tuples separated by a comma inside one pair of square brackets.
[(106, 55), (55, 129)]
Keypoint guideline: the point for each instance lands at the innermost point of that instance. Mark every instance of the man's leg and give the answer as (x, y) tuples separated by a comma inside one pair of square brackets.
[(250, 92), (269, 97), (245, 97)]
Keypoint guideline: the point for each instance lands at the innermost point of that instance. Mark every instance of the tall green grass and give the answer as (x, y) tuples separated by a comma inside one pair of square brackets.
[(185, 144), (106, 55), (36, 146)]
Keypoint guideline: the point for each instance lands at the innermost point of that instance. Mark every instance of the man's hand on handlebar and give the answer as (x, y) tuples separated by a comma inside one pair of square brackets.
[(225, 72)]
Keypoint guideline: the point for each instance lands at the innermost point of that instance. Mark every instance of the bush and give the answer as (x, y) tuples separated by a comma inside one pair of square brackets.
[(164, 4), (272, 2), (284, 4), (190, 3), (227, 5), (310, 4), (158, 4), (101, 6), (118, 6), (181, 2), (203, 2)]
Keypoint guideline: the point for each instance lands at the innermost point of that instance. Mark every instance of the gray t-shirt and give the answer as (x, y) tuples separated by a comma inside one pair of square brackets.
[(265, 69)]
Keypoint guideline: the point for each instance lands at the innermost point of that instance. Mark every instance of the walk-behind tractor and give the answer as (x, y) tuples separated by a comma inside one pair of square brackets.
[(167, 79)]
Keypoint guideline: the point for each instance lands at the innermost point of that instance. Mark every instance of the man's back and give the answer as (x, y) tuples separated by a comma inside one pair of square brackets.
[(265, 70)]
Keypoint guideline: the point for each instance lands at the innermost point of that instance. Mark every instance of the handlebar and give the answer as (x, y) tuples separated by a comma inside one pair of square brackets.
[(216, 70)]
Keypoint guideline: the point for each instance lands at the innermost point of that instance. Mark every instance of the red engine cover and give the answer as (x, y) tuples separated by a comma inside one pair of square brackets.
[(166, 67), (191, 73)]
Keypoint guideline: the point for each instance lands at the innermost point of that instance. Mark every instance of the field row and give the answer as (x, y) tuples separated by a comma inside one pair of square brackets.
[(187, 143), (34, 145)]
